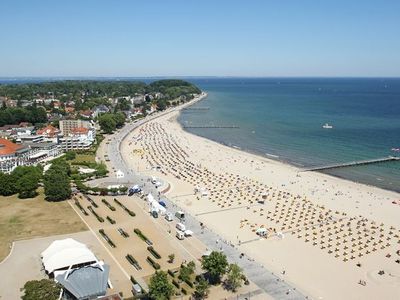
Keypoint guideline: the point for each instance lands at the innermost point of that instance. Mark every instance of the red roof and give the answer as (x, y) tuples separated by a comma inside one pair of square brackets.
[(79, 130), (7, 147), (49, 131)]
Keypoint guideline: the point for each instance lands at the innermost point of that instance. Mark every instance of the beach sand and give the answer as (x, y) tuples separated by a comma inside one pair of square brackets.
[(327, 236)]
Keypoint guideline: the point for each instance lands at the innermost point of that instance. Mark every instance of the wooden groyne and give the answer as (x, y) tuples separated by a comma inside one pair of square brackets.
[(211, 126), (353, 163)]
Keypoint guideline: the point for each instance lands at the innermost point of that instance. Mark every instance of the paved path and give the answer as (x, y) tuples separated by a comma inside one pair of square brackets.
[(263, 278)]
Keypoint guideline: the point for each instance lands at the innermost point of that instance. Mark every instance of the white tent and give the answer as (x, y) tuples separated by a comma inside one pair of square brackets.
[(65, 253), (155, 206)]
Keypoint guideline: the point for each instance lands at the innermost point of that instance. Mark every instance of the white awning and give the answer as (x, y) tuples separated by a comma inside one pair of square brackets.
[(64, 253)]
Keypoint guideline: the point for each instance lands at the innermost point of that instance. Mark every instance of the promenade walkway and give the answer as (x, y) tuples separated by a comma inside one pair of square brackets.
[(264, 279)]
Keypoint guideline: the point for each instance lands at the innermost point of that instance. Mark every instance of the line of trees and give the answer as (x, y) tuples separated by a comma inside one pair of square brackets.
[(76, 89)]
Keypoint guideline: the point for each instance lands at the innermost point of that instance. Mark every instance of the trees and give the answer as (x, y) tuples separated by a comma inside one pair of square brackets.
[(215, 264), (41, 289), (26, 180), (7, 185), (16, 115), (234, 277), (186, 271), (171, 258), (56, 182), (160, 288), (107, 123), (201, 289), (70, 155), (119, 119)]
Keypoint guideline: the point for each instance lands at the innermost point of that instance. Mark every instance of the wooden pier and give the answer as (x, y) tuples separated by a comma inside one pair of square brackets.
[(353, 163), (211, 126)]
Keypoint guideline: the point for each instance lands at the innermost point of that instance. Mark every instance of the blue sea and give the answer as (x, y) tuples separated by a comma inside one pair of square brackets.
[(282, 118)]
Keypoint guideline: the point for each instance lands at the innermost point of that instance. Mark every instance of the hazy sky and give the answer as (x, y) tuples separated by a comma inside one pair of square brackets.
[(200, 37)]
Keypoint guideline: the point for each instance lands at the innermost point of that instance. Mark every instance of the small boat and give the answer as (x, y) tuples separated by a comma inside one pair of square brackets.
[(396, 149), (327, 126)]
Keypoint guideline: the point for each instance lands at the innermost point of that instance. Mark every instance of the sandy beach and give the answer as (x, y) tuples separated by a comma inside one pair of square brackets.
[(329, 237)]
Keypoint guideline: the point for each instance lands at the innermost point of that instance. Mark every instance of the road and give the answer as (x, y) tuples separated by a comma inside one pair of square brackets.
[(266, 280)]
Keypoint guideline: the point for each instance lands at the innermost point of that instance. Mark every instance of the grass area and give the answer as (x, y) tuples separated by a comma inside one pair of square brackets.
[(84, 157), (28, 218)]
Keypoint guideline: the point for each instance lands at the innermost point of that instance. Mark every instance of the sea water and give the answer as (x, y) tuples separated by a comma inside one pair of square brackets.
[(282, 119)]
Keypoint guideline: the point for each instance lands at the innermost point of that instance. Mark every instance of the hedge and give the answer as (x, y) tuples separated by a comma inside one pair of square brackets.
[(112, 221), (112, 208), (189, 283), (91, 201), (175, 283), (172, 274), (153, 263), (81, 208), (153, 252), (100, 219), (123, 233), (133, 261), (131, 213), (105, 236)]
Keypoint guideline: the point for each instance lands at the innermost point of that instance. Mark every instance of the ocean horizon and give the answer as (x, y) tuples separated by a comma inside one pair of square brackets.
[(283, 118)]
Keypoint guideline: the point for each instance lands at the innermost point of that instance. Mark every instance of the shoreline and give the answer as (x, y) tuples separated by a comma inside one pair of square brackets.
[(271, 157), (331, 195)]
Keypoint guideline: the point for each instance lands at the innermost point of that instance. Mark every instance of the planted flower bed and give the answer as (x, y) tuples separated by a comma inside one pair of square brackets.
[(81, 208), (153, 252), (108, 240), (154, 264), (112, 221), (112, 208), (133, 262), (100, 219), (131, 213)]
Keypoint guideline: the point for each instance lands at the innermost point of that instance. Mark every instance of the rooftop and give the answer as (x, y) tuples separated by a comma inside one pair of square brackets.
[(7, 147)]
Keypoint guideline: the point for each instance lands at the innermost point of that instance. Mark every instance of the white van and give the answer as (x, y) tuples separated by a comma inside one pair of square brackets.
[(180, 235), (180, 227), (169, 217)]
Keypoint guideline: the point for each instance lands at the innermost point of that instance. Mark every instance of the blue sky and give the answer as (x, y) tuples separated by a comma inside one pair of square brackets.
[(200, 38)]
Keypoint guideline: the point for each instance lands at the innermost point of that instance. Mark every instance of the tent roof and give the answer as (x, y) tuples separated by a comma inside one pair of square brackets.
[(64, 253), (90, 281)]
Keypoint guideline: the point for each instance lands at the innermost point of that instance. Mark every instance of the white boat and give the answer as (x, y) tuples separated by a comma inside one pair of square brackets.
[(327, 126)]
